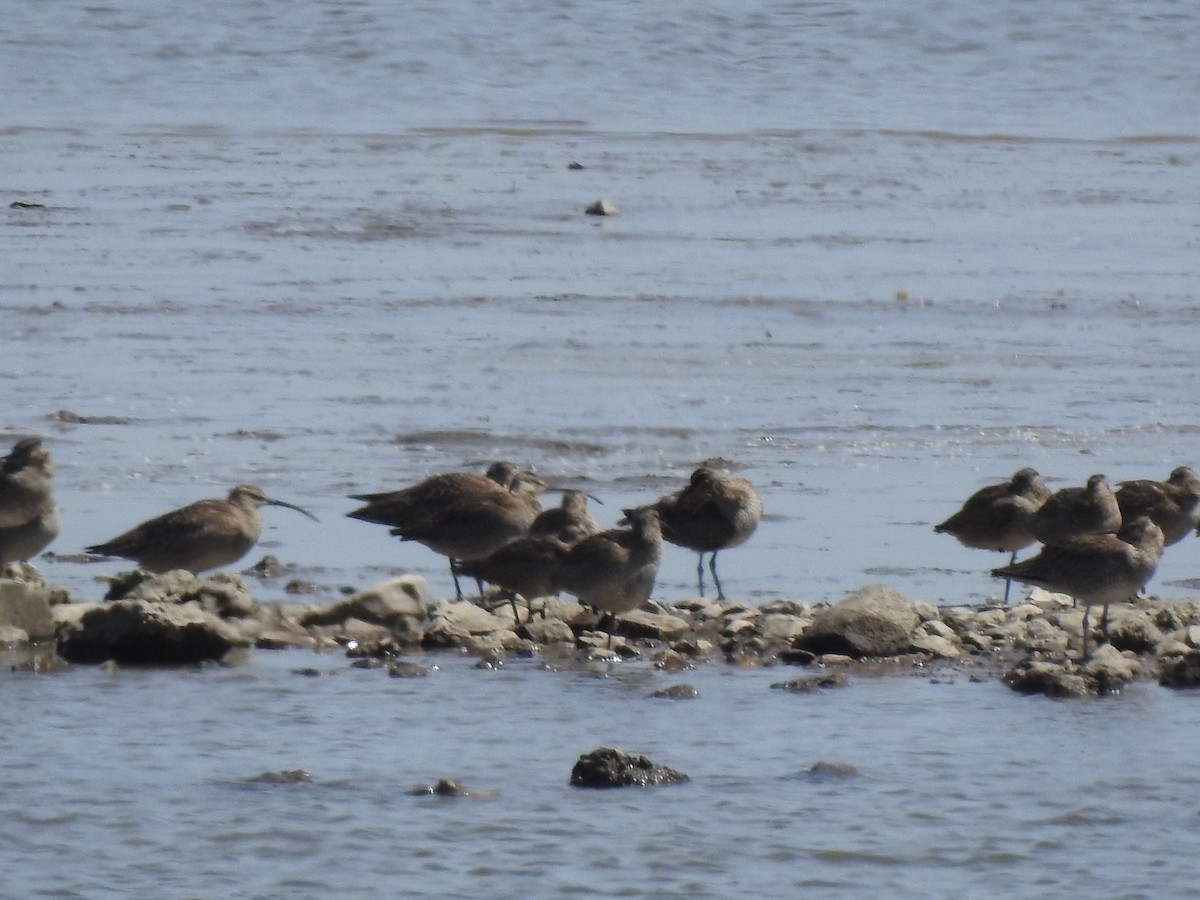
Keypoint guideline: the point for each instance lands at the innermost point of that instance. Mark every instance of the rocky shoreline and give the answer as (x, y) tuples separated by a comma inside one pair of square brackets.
[(180, 619)]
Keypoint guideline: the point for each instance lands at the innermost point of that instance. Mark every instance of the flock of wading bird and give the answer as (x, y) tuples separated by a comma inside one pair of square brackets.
[(492, 527), (1098, 547)]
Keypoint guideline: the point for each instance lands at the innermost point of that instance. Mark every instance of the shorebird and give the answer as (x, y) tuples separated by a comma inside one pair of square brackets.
[(526, 567), (1095, 569), (1073, 512), (28, 520), (203, 535), (712, 513), (460, 515), (998, 517), (614, 570), (570, 523), (1173, 505)]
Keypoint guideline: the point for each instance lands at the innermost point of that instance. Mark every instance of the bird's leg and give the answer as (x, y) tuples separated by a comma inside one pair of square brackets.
[(700, 573), (454, 574), (1086, 610), (1104, 622), (1008, 581), (712, 567)]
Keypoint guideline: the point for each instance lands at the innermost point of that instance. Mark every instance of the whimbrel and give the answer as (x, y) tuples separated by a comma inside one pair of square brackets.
[(28, 520), (999, 516), (1173, 505), (1073, 512), (203, 535), (614, 570), (1095, 569), (570, 523), (712, 513), (526, 567), (460, 515)]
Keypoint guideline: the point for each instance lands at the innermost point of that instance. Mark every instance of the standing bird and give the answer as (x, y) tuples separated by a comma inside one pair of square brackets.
[(1095, 569), (1173, 505), (526, 567), (999, 516), (614, 570), (28, 520), (460, 515), (203, 535), (1073, 512), (713, 512), (570, 523)]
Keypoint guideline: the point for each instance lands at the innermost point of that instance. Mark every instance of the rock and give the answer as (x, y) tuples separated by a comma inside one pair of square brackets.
[(603, 208), (1048, 678), (1135, 630), (224, 594), (384, 604), (641, 625), (1108, 670), (403, 669), (25, 608), (289, 776), (147, 633), (936, 646), (831, 771), (1182, 671), (1105, 673), (445, 787), (783, 626), (461, 623), (874, 621), (547, 631), (676, 692), (812, 684), (607, 767)]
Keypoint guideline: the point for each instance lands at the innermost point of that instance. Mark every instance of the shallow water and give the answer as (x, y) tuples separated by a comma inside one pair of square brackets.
[(874, 258)]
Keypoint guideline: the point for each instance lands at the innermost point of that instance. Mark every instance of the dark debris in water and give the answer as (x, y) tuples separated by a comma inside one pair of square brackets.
[(286, 776), (67, 417)]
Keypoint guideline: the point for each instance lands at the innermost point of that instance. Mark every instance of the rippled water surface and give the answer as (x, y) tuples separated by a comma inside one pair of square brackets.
[(872, 256)]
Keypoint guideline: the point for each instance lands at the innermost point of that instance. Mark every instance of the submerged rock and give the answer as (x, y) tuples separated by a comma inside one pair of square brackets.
[(607, 768)]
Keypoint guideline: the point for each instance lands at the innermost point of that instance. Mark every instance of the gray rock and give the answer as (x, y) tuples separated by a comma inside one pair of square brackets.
[(812, 684), (1135, 630), (547, 631), (1181, 671), (224, 594), (1107, 672), (676, 692), (642, 625), (462, 623), (147, 633), (385, 604), (608, 767), (936, 646), (602, 208), (25, 607), (874, 621)]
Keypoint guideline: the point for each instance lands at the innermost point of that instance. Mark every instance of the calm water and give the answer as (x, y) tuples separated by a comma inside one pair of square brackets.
[(873, 256)]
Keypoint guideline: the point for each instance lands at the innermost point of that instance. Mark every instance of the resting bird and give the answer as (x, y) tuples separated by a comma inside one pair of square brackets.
[(1095, 569), (526, 567), (28, 519), (1173, 505), (712, 513), (614, 570), (570, 523), (203, 535), (999, 516), (460, 515), (1073, 512)]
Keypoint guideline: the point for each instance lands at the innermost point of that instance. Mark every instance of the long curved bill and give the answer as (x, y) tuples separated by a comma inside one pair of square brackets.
[(270, 502)]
